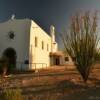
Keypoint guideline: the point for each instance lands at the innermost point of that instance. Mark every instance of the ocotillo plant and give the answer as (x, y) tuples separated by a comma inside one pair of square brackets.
[(81, 42)]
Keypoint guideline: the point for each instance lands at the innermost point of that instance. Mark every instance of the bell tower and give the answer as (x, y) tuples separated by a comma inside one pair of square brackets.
[(53, 41), (52, 31)]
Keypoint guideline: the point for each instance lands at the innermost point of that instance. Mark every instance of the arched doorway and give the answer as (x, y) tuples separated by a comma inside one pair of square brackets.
[(10, 53)]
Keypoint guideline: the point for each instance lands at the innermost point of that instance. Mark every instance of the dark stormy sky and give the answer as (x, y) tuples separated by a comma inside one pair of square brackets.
[(46, 12)]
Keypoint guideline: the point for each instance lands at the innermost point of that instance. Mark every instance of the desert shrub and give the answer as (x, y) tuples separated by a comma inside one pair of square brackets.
[(81, 42), (11, 94)]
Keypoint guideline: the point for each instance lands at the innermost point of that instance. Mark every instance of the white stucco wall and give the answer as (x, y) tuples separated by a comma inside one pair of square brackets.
[(21, 29), (37, 55), (25, 31), (54, 47)]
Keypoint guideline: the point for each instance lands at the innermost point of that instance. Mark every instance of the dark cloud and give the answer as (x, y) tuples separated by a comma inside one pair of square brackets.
[(45, 12)]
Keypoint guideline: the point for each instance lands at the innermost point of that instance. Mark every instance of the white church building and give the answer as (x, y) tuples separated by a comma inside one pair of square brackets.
[(27, 45)]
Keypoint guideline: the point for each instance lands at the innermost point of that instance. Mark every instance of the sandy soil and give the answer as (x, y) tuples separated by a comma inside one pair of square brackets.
[(56, 83)]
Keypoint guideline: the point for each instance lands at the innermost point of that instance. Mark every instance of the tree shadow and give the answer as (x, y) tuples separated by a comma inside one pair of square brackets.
[(82, 92)]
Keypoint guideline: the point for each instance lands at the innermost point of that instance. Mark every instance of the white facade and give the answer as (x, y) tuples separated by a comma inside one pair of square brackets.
[(38, 54), (20, 43), (26, 34)]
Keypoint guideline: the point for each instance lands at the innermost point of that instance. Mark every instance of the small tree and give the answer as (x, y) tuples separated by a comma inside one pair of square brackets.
[(81, 42)]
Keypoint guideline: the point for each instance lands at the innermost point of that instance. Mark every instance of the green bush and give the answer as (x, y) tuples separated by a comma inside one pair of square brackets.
[(11, 94)]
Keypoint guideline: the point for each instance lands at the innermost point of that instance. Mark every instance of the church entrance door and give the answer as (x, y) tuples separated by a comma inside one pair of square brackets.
[(10, 54)]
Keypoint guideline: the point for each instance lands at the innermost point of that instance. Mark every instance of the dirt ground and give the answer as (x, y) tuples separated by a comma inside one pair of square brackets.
[(55, 83)]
